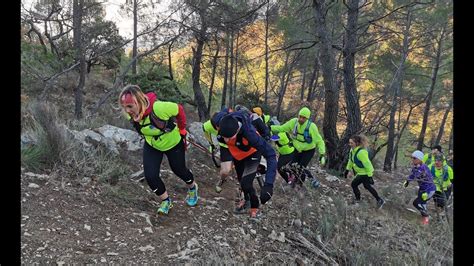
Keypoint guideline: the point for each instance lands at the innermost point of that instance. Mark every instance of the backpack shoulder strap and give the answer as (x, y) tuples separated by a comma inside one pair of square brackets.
[(137, 126), (306, 129), (155, 121), (428, 161), (356, 160), (164, 125), (433, 170), (295, 128), (308, 125), (445, 172)]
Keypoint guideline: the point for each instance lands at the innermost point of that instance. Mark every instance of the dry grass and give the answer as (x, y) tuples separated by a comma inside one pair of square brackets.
[(363, 235), (50, 138), (57, 151)]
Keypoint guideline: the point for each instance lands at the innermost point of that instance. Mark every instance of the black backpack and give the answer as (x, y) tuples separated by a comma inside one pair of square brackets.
[(164, 125)]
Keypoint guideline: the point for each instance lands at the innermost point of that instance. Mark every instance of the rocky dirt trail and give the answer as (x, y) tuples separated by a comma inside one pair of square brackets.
[(86, 221)]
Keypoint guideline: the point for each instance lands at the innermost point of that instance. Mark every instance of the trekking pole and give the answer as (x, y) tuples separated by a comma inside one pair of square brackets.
[(213, 152), (213, 155)]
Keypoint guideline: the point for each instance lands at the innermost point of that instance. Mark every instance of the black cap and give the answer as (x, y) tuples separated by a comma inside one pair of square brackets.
[(438, 147), (215, 120), (228, 126)]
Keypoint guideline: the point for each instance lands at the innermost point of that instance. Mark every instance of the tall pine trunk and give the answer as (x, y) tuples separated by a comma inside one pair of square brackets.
[(226, 71), (196, 74), (213, 75), (303, 83), (451, 140), (396, 85), (434, 75), (236, 68), (331, 104), (135, 48), (350, 88), (267, 73), (281, 92), (443, 122), (77, 31), (170, 66), (231, 70), (313, 82), (400, 133)]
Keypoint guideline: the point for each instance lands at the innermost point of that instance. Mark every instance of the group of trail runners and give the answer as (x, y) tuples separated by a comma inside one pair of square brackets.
[(246, 137)]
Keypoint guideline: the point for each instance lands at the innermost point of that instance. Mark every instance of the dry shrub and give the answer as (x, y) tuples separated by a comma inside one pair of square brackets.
[(50, 139)]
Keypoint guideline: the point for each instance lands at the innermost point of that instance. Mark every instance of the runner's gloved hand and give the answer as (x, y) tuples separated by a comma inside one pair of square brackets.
[(183, 134), (405, 184), (212, 147), (424, 196), (315, 183), (266, 193), (346, 172), (322, 160)]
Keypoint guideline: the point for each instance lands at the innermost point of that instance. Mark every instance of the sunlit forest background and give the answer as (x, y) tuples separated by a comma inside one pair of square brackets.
[(381, 68)]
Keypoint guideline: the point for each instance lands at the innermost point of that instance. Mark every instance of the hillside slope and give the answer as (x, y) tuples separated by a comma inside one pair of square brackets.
[(86, 221)]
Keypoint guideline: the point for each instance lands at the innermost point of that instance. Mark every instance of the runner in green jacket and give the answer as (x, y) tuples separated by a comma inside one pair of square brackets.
[(163, 126), (305, 138), (359, 164)]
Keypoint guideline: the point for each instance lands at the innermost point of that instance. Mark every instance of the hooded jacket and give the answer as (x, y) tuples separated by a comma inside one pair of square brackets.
[(254, 140)]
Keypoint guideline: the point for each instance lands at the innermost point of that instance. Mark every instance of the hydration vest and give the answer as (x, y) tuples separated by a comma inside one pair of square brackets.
[(164, 125), (307, 137), (445, 172)]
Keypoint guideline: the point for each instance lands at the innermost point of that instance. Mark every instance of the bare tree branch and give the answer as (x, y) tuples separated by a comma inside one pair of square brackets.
[(372, 21), (75, 64)]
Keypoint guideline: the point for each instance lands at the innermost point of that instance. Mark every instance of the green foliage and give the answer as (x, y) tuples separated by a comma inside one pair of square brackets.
[(37, 64), (295, 21), (101, 36), (248, 98), (98, 36), (35, 158), (156, 80)]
